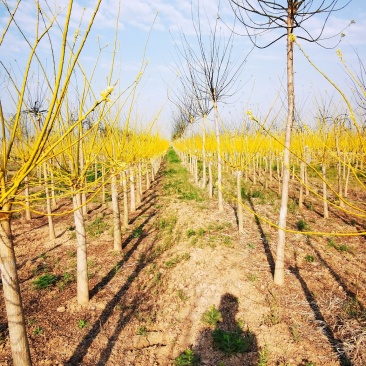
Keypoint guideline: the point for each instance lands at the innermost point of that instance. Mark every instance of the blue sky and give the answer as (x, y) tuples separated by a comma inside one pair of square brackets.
[(262, 77)]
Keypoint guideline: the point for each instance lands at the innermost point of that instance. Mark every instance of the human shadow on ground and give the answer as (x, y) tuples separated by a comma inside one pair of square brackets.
[(336, 344), (267, 249), (227, 342)]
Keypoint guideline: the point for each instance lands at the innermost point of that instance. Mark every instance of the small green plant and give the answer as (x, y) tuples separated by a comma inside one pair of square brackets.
[(309, 258), (263, 356), (71, 253), (82, 323), (211, 317), (137, 232), (252, 277), (142, 331), (232, 342), (251, 246), (97, 227), (187, 358), (44, 281), (302, 225), (66, 279), (201, 232), (190, 232), (38, 331), (182, 295)]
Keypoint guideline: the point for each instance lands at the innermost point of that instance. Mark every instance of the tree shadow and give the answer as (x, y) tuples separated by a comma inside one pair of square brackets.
[(336, 344), (227, 342), (335, 275), (267, 249)]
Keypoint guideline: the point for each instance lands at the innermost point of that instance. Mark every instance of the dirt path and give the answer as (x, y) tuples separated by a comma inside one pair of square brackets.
[(181, 260)]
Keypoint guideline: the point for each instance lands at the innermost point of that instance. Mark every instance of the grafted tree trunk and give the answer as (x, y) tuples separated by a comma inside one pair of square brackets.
[(210, 181), (325, 195), (12, 297), (302, 181), (219, 158), (28, 215), (81, 252)]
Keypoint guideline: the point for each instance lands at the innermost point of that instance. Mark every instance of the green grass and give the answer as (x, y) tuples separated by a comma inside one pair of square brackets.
[(232, 342), (97, 227), (187, 358), (177, 180), (45, 281)]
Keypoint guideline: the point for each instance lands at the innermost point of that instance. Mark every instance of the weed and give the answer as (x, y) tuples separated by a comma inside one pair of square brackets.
[(137, 232), (302, 225), (71, 253), (44, 281), (142, 331), (97, 227), (309, 258), (177, 259), (190, 232), (343, 248), (295, 333), (263, 356), (211, 317), (251, 246), (66, 279), (200, 232), (38, 331), (227, 242), (182, 295), (232, 342), (340, 247), (252, 277), (187, 358), (82, 323), (273, 316)]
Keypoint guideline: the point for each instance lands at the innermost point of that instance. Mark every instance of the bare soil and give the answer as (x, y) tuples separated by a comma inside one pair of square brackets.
[(180, 258)]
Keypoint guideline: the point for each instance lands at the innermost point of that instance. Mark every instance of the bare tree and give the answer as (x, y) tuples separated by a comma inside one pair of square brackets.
[(284, 17), (210, 72)]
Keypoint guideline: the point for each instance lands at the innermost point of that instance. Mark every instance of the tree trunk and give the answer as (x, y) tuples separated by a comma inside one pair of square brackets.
[(239, 199), (117, 236), (210, 181), (81, 252), (125, 200), (219, 159), (302, 181), (204, 178), (12, 297), (147, 177), (279, 273), (51, 228), (325, 195), (132, 190), (28, 215)]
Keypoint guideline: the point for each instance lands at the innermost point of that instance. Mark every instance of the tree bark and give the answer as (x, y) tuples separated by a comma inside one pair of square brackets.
[(239, 174), (279, 273), (125, 200), (219, 159), (51, 228), (81, 252), (12, 297), (117, 235)]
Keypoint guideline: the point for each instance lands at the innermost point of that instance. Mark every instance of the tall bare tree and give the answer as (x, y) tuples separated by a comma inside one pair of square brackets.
[(210, 72), (284, 18)]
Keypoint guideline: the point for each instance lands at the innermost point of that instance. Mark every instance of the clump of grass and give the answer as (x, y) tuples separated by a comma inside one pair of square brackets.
[(340, 247), (263, 356), (187, 358), (182, 295), (252, 277), (177, 259), (190, 232), (302, 225), (211, 317), (96, 227), (38, 331), (65, 280), (309, 258), (44, 281), (142, 330), (137, 232), (82, 323)]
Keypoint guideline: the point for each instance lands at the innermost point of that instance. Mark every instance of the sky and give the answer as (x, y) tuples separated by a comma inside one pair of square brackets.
[(262, 79)]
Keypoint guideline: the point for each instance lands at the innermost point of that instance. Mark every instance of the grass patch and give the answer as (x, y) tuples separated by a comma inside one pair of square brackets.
[(97, 227), (45, 281), (211, 317), (232, 342), (187, 358)]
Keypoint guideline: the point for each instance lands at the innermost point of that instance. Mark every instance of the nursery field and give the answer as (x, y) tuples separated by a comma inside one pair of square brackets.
[(188, 288)]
